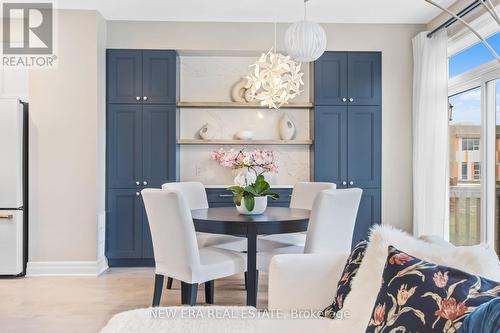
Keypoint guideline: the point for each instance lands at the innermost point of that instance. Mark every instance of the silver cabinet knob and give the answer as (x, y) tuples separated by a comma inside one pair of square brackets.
[(344, 183), (138, 98), (137, 183), (137, 194), (344, 99), (145, 183), (351, 183), (351, 99), (145, 98)]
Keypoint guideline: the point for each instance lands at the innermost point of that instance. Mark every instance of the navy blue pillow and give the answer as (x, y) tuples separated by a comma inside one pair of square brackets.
[(417, 296), (344, 285), (485, 319)]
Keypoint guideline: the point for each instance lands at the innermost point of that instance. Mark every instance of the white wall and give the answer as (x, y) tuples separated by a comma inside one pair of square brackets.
[(67, 109), (394, 41)]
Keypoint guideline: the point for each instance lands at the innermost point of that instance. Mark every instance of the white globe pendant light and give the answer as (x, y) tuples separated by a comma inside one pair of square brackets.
[(305, 41)]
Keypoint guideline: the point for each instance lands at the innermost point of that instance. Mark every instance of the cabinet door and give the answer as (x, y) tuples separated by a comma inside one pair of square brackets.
[(368, 214), (159, 77), (124, 149), (364, 78), (124, 224), (364, 146), (124, 76), (330, 79), (159, 146), (330, 144)]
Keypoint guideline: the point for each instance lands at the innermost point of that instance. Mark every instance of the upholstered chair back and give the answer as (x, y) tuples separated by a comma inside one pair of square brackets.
[(193, 192), (173, 234), (332, 221), (304, 193)]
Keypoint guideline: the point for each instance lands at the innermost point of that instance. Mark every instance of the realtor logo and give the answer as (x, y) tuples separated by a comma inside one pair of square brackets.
[(27, 28)]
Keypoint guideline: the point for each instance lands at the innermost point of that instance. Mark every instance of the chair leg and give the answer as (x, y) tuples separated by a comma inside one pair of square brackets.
[(157, 290), (209, 292), (189, 291), (169, 283), (246, 281)]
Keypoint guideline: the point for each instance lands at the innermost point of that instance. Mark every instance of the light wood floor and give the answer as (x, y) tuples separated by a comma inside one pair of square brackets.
[(85, 304)]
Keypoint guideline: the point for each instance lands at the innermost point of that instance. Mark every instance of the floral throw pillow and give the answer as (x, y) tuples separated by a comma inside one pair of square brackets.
[(418, 296), (344, 285)]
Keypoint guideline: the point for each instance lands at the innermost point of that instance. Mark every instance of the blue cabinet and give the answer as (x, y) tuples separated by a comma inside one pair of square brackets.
[(124, 224), (124, 79), (330, 144), (124, 148), (220, 197), (159, 77), (142, 77), (141, 146), (158, 144), (347, 128), (330, 79), (364, 146)]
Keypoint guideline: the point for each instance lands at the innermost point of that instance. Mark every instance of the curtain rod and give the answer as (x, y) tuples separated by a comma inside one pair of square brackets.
[(452, 20)]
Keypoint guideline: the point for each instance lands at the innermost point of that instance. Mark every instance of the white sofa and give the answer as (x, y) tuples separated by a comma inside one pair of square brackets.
[(308, 282), (296, 281)]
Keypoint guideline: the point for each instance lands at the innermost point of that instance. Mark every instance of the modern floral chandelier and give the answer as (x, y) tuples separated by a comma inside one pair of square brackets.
[(276, 79)]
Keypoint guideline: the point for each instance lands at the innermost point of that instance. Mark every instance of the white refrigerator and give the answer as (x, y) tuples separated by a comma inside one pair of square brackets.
[(13, 187)]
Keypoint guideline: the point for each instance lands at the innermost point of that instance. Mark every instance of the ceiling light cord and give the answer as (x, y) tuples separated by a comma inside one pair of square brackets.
[(488, 46), (305, 10)]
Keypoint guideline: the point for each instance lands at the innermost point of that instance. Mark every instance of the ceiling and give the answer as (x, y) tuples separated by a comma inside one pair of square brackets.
[(325, 11)]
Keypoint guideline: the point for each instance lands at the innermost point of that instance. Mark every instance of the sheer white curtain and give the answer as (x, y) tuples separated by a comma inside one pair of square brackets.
[(430, 135)]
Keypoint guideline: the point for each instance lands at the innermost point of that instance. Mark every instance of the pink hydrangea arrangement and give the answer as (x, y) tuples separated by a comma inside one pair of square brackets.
[(250, 181), (260, 161)]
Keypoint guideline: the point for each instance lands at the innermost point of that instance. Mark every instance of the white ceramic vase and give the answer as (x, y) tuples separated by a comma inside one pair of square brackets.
[(259, 208), (286, 128), (207, 132)]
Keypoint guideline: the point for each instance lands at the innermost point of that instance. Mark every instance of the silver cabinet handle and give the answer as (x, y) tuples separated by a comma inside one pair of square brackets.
[(145, 98), (137, 183), (145, 183), (137, 194), (351, 183), (344, 99), (6, 216), (225, 195), (344, 183), (351, 99), (137, 98)]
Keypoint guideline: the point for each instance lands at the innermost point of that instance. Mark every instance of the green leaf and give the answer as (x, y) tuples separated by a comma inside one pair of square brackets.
[(261, 185), (236, 189), (273, 195), (237, 199), (249, 202), (250, 189)]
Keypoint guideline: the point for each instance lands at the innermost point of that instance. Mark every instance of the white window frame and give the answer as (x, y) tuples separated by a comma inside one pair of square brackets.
[(485, 77)]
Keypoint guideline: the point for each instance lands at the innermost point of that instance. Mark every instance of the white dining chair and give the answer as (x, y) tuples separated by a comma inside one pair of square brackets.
[(196, 197), (330, 229), (303, 195), (176, 250)]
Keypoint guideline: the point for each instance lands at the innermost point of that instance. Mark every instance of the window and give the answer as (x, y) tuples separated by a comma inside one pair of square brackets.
[(465, 188), (470, 143), (474, 156), (473, 56)]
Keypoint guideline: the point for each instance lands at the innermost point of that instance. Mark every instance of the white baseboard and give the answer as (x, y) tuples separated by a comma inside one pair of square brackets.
[(67, 268)]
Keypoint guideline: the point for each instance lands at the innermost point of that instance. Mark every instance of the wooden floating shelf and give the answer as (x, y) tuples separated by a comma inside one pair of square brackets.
[(243, 142), (236, 105)]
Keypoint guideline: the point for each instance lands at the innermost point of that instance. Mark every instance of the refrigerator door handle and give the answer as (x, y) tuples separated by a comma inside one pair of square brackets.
[(6, 216)]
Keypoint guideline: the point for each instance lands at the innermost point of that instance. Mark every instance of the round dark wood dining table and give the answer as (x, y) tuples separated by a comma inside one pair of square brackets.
[(227, 220)]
